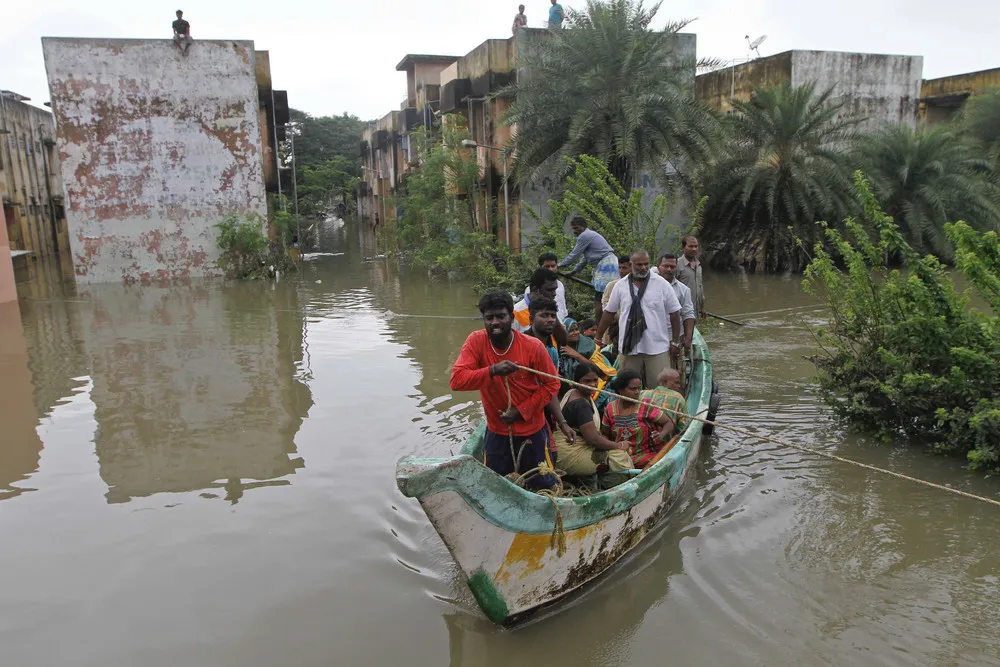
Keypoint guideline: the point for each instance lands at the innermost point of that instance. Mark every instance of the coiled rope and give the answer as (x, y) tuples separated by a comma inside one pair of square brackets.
[(750, 434)]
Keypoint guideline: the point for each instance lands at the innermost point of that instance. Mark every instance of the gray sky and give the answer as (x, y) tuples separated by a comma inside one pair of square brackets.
[(341, 56)]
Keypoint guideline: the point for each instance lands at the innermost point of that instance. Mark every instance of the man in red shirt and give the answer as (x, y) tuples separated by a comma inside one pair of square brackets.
[(488, 362)]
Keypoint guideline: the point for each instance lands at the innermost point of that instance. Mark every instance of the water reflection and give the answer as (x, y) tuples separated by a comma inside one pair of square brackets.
[(196, 387), (21, 447)]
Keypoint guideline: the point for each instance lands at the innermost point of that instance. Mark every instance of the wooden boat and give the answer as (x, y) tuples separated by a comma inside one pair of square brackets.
[(521, 551)]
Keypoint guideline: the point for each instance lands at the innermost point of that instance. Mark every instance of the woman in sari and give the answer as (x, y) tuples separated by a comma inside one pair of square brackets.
[(580, 349), (591, 452), (644, 427)]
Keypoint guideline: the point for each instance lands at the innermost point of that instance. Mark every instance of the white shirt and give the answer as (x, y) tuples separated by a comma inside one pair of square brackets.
[(684, 296), (562, 312), (657, 303)]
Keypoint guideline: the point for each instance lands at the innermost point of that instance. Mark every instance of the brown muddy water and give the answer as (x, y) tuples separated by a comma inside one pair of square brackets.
[(203, 475)]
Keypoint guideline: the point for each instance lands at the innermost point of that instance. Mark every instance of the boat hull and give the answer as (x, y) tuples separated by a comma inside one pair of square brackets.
[(520, 551)]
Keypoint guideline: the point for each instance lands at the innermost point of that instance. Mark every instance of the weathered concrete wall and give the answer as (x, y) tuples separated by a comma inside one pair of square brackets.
[(8, 290), (30, 183), (156, 148), (879, 88), (941, 99), (719, 88)]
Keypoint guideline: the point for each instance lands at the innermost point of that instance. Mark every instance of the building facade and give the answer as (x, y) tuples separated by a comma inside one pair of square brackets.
[(941, 99), (156, 148), (30, 179), (874, 88)]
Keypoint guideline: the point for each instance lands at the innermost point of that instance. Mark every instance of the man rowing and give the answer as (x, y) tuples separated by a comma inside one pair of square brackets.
[(591, 248), (489, 363)]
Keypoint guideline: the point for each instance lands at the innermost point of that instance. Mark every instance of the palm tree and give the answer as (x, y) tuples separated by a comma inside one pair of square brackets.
[(980, 121), (783, 169), (924, 179), (609, 86)]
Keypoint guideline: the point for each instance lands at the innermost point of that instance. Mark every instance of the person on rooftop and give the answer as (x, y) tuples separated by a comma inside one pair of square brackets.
[(182, 33), (520, 20), (556, 15)]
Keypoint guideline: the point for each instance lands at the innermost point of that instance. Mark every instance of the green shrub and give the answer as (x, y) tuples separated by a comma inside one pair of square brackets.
[(904, 354), (246, 251)]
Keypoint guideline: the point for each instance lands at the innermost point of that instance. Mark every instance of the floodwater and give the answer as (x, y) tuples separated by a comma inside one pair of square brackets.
[(203, 475)]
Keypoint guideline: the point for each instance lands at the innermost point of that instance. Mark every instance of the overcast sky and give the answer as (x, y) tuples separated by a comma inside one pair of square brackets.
[(338, 56)]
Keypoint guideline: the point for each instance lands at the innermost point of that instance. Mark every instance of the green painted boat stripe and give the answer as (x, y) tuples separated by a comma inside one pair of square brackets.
[(489, 598)]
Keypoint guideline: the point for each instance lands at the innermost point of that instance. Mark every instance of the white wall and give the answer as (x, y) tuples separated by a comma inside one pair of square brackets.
[(156, 149)]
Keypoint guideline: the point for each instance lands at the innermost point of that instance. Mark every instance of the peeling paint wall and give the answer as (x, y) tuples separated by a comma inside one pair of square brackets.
[(878, 88), (156, 148)]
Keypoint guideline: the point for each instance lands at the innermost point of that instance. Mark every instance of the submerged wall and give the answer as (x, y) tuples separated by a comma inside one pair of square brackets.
[(156, 148)]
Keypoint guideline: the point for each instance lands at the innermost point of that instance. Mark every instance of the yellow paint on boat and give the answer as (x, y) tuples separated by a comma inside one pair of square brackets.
[(527, 552)]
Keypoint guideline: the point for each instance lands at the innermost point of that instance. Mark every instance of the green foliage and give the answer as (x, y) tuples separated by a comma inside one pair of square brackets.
[(925, 178), (783, 168), (246, 251), (904, 354), (610, 86), (592, 191), (980, 122), (327, 164)]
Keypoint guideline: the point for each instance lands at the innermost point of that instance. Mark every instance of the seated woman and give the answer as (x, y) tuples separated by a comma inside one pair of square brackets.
[(592, 452), (646, 428), (581, 349)]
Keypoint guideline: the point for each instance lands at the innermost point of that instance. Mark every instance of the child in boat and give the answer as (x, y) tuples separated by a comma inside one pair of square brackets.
[(591, 452), (667, 394)]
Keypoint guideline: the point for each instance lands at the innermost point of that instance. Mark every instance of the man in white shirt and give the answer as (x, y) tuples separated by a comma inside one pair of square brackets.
[(550, 261), (649, 323), (667, 269)]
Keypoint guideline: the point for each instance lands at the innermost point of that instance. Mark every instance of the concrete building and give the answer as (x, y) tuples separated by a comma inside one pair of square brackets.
[(157, 148), (941, 99), (30, 180), (463, 88), (877, 88)]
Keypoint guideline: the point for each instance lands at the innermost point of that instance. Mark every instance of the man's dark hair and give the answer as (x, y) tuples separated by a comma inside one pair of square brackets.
[(624, 259), (578, 220), (686, 238), (178, 12), (542, 304), (666, 255), (547, 257), (495, 300), (587, 324), (540, 277)]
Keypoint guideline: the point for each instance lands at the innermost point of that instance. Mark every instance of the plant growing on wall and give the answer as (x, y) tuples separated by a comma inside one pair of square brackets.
[(246, 251)]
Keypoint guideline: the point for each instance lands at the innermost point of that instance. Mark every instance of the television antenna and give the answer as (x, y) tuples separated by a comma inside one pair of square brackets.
[(755, 44)]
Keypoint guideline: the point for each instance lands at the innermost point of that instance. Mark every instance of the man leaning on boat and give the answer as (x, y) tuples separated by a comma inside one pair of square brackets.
[(514, 400)]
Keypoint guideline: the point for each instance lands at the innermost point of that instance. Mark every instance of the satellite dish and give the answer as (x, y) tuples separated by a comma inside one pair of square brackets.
[(756, 43)]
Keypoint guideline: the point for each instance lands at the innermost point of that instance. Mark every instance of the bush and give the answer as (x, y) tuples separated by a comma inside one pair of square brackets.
[(246, 251), (905, 355)]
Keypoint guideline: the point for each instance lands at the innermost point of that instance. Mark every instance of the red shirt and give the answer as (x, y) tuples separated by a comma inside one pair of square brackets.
[(529, 393)]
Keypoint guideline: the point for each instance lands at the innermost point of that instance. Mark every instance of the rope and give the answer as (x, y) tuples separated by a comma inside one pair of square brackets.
[(808, 450)]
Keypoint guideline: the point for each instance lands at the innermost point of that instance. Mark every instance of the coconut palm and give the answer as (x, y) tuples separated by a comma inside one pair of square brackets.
[(610, 86), (924, 179), (784, 167)]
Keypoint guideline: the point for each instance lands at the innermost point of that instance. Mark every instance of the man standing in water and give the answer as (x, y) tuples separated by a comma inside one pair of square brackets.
[(182, 33), (489, 363), (591, 248), (689, 272), (648, 322)]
